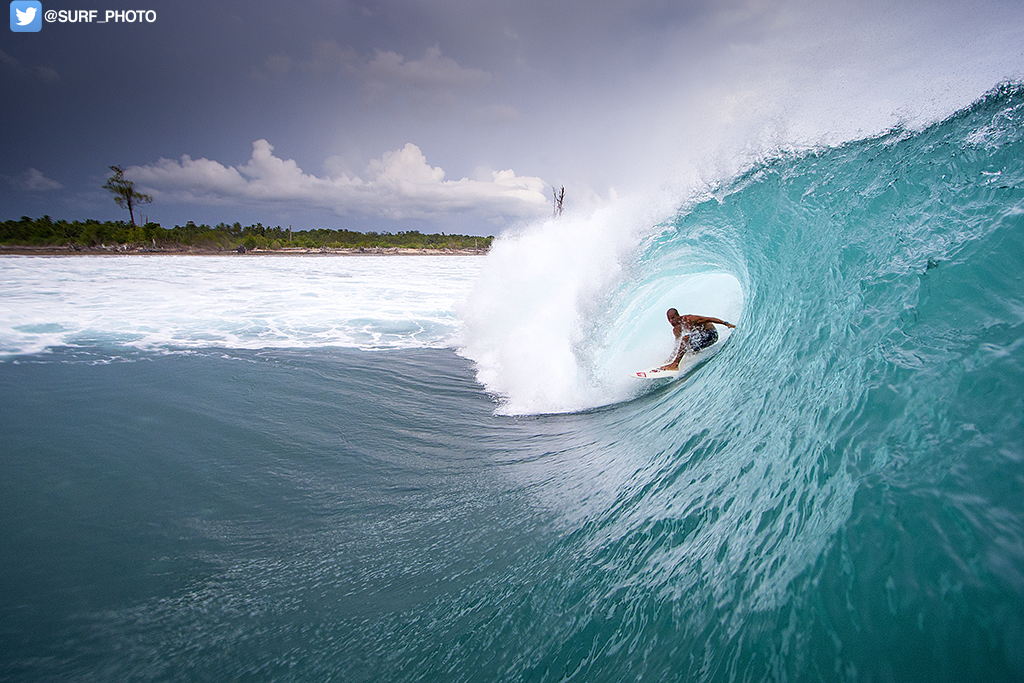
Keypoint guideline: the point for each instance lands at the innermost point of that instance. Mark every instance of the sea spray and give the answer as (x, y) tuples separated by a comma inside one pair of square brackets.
[(529, 322), (566, 310)]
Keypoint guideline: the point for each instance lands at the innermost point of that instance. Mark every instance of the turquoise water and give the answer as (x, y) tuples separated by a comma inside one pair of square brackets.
[(837, 494)]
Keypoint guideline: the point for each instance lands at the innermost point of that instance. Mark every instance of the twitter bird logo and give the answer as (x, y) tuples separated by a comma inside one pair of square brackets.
[(26, 15), (25, 18)]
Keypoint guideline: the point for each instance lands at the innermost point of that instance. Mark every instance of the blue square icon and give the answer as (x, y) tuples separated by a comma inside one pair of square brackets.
[(26, 15)]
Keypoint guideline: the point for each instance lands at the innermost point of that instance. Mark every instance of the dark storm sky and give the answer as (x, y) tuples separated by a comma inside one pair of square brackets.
[(460, 116)]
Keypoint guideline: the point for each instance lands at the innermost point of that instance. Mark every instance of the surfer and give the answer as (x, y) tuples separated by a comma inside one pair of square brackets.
[(693, 333)]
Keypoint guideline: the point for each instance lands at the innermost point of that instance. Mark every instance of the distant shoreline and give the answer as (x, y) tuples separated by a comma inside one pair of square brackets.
[(47, 237), (121, 250)]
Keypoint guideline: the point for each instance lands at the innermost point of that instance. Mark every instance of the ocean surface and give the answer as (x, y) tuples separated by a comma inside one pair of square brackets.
[(440, 469)]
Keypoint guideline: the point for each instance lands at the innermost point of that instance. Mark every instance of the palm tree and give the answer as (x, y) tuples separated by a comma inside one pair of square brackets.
[(124, 192)]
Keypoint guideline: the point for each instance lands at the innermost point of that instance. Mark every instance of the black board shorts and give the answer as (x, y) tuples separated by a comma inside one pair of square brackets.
[(698, 339)]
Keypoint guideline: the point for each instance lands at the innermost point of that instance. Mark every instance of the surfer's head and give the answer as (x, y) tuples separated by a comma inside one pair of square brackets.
[(672, 315)]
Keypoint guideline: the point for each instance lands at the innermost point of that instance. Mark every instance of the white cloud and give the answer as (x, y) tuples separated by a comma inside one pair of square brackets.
[(33, 181), (401, 184)]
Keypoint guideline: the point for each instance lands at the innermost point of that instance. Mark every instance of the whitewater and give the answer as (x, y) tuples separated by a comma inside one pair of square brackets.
[(439, 467)]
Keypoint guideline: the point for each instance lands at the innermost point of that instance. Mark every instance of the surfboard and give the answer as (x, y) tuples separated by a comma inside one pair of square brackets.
[(656, 373)]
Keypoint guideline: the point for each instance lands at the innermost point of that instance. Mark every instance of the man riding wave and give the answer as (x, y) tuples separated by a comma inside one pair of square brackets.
[(693, 333)]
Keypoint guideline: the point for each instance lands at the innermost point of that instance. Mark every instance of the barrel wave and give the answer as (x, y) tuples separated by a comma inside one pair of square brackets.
[(362, 480), (836, 494)]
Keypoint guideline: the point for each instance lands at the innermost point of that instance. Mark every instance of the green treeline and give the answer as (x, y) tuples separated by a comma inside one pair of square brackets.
[(44, 231)]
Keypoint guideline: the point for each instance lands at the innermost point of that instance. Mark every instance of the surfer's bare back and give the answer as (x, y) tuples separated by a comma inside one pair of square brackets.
[(693, 333)]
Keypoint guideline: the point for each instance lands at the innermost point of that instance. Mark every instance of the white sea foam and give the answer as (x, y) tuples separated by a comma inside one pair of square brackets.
[(542, 316), (166, 302), (551, 327)]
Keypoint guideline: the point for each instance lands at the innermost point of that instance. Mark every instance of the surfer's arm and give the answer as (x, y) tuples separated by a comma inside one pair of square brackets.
[(702, 319)]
